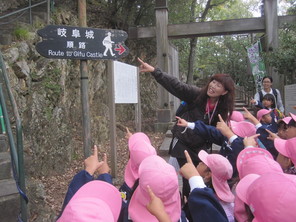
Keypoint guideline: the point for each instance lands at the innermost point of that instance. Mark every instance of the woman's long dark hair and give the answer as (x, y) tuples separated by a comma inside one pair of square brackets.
[(226, 102)]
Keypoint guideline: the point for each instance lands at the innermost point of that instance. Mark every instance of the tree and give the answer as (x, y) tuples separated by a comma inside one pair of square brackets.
[(283, 58)]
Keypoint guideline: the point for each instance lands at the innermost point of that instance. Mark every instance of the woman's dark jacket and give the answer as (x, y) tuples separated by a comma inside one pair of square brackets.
[(187, 140)]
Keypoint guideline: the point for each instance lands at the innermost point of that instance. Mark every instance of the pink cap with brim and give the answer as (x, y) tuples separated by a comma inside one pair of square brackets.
[(140, 147), (262, 112), (293, 116), (286, 120), (237, 116), (240, 213), (243, 128), (221, 172), (163, 181), (271, 197), (96, 201), (256, 161), (286, 148)]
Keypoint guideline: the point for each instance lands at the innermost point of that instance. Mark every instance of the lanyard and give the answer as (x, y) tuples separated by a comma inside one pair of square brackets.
[(208, 110)]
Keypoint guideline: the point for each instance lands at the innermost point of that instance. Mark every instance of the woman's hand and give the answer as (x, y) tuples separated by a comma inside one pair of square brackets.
[(145, 67)]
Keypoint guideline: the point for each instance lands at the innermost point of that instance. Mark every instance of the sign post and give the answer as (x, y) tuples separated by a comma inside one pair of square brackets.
[(84, 43), (70, 42)]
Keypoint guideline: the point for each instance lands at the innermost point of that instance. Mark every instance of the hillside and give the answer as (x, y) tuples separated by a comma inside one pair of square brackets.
[(48, 96)]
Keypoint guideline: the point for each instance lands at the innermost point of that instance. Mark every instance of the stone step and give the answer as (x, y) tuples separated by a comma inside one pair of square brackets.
[(164, 148), (9, 201), (3, 143), (5, 166)]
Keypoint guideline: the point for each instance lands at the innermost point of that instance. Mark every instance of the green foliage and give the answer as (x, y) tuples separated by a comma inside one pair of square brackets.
[(283, 58), (21, 33), (292, 9), (215, 54)]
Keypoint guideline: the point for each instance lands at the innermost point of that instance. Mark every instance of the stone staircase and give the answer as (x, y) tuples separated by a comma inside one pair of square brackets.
[(9, 196)]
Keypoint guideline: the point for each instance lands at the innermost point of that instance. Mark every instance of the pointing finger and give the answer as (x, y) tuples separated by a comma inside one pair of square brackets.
[(150, 192), (140, 60), (188, 158), (95, 150), (220, 118)]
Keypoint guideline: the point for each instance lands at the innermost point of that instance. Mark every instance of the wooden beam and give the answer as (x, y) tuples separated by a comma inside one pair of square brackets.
[(212, 28)]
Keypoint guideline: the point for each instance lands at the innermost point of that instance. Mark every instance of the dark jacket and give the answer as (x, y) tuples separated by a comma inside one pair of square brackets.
[(187, 140), (205, 207)]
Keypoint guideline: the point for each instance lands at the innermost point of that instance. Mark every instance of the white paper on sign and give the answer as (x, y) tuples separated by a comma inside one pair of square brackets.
[(125, 83)]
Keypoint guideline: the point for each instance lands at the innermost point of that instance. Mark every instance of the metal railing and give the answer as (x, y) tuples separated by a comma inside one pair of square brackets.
[(29, 7), (16, 149)]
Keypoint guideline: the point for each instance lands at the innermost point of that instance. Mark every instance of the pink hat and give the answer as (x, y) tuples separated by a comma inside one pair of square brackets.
[(293, 116), (163, 180), (237, 116), (140, 147), (286, 120), (271, 197), (262, 112), (286, 148), (221, 172), (94, 201), (243, 128), (256, 160)]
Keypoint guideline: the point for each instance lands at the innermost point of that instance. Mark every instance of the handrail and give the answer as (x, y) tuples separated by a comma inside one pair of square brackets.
[(245, 95), (17, 153), (30, 7)]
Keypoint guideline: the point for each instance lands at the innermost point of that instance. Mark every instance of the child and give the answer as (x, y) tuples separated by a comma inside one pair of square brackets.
[(291, 131), (264, 122), (92, 165), (216, 170), (230, 140), (139, 148), (161, 177), (271, 196), (95, 201), (78, 191), (203, 203), (283, 126), (268, 103), (287, 154), (252, 160)]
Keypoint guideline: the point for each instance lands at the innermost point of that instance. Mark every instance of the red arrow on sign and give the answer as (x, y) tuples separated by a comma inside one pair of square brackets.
[(120, 49)]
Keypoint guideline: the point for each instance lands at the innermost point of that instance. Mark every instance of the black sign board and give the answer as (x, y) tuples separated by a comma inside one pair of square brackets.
[(68, 42)]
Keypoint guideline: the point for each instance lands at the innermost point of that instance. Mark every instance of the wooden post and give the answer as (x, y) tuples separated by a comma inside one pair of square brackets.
[(112, 124), (161, 12), (84, 87), (271, 31)]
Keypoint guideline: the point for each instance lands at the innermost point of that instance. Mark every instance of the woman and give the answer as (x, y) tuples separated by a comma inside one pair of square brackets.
[(267, 89), (217, 97)]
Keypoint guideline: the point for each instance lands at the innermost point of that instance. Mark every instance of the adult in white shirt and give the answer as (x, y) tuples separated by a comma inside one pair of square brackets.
[(267, 88)]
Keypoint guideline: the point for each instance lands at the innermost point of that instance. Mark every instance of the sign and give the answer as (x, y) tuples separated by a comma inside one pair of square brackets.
[(125, 83), (68, 42), (257, 64), (290, 95)]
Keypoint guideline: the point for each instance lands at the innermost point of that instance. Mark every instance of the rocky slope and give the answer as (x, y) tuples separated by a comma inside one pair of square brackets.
[(47, 92)]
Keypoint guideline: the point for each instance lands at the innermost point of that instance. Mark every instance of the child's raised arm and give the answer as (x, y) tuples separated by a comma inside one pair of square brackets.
[(250, 117)]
